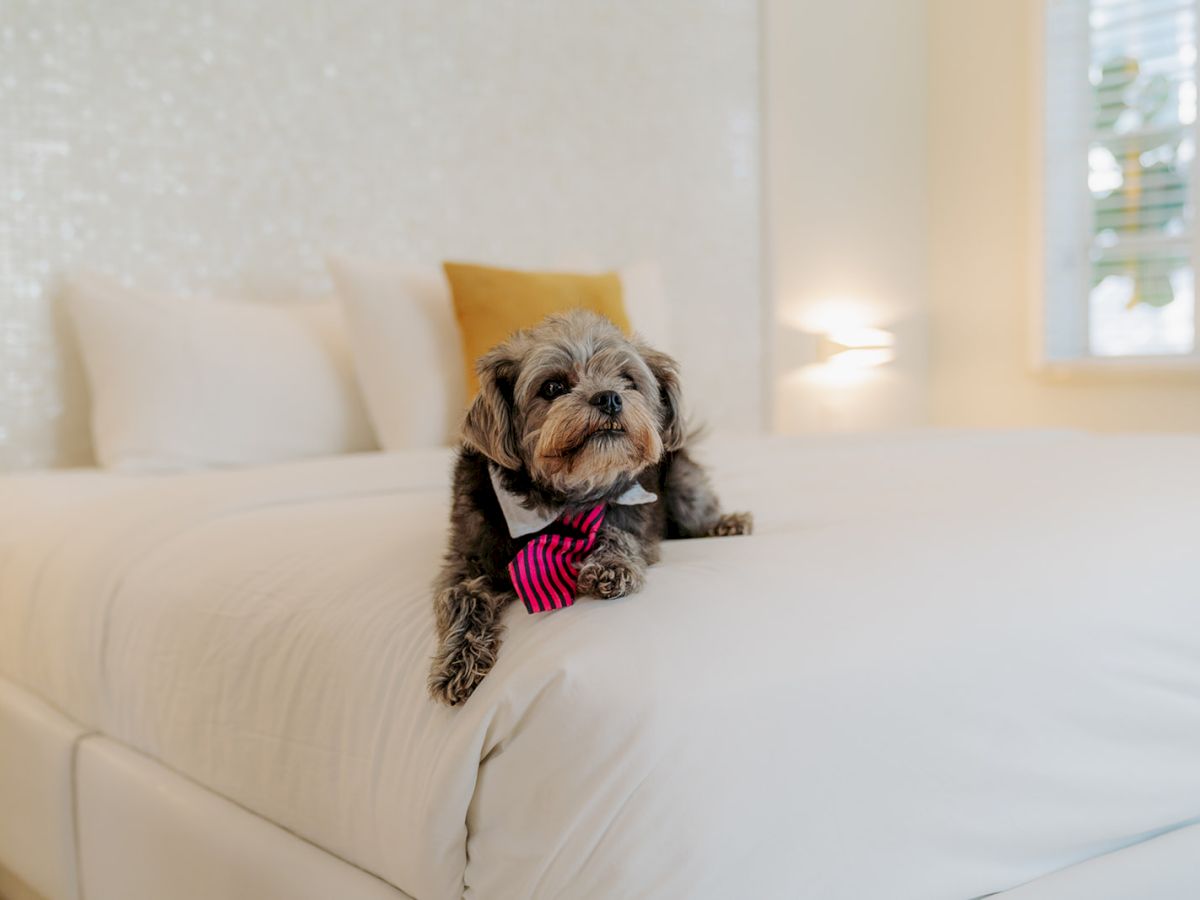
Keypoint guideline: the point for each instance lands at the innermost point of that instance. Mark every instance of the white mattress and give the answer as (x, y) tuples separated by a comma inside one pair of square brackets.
[(945, 665)]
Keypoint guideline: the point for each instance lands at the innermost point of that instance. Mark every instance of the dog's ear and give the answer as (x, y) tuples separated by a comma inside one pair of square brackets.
[(666, 371), (489, 426)]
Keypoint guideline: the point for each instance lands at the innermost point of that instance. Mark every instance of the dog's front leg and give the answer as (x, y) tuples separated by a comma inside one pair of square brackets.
[(692, 507), (616, 566), (469, 632)]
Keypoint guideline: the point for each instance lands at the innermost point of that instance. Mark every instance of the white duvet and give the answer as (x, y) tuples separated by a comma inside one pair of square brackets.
[(944, 665)]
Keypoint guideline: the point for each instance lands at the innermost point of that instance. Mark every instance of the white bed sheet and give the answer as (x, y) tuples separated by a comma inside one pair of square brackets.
[(945, 665)]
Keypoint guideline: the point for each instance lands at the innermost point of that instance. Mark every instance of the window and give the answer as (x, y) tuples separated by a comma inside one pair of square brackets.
[(1119, 179)]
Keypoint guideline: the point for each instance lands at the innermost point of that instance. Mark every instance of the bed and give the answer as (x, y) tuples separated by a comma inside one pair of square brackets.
[(947, 665)]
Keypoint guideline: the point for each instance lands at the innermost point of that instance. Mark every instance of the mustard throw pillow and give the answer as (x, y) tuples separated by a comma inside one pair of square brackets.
[(491, 304)]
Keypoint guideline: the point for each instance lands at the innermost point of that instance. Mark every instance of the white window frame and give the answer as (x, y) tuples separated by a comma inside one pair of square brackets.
[(1059, 338)]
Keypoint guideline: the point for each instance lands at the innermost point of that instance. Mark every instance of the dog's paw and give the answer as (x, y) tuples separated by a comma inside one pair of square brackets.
[(457, 671), (451, 688), (608, 579), (448, 687), (732, 524)]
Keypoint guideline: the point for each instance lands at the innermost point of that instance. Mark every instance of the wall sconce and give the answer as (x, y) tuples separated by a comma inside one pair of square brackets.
[(856, 348)]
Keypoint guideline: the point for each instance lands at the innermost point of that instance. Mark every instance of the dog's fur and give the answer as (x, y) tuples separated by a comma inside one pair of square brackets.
[(562, 451)]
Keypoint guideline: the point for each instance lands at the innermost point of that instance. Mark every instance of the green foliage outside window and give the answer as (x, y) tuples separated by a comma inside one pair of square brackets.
[(1137, 121)]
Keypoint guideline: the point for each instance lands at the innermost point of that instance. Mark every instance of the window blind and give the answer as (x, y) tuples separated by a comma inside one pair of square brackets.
[(1121, 112)]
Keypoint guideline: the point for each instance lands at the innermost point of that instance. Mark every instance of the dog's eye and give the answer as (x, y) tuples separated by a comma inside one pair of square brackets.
[(552, 388), (629, 381)]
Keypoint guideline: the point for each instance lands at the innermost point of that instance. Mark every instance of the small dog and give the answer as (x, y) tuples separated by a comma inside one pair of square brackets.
[(575, 438)]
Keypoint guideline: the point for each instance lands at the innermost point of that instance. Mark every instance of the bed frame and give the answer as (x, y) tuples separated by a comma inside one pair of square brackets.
[(78, 809)]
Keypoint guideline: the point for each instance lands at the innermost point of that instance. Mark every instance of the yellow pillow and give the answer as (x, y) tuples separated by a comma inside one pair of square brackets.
[(493, 303)]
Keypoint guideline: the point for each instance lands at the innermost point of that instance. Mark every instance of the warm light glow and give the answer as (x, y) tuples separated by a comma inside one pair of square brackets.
[(862, 357), (842, 340), (831, 314), (858, 348), (829, 377), (862, 337)]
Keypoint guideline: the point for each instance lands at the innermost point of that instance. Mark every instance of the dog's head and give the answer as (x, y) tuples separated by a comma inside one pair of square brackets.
[(576, 405)]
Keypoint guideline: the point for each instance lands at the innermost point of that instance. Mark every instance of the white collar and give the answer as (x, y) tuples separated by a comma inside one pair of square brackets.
[(522, 521)]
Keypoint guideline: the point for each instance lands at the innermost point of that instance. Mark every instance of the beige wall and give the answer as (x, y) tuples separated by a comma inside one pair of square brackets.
[(845, 150), (982, 179)]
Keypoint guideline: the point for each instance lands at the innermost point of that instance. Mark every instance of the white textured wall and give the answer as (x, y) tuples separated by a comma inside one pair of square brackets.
[(845, 131), (224, 146)]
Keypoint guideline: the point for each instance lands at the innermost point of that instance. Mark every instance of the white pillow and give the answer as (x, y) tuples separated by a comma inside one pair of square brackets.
[(408, 352), (646, 304), (182, 383)]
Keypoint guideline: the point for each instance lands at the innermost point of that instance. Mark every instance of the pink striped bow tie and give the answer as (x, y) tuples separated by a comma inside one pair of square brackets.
[(545, 571)]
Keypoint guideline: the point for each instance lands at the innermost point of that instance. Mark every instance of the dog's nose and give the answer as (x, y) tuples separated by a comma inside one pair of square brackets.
[(608, 402)]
